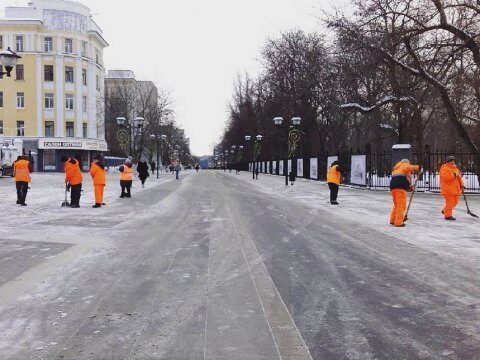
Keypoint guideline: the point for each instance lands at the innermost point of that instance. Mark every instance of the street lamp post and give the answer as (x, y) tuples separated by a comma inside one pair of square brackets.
[(257, 148), (127, 132), (293, 138), (9, 60), (158, 140)]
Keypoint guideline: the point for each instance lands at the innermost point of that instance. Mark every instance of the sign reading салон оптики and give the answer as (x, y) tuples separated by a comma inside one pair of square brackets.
[(77, 144)]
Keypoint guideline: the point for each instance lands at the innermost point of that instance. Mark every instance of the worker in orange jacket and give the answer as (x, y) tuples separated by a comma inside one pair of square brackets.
[(73, 179), (22, 168), (399, 185), (451, 185), (334, 178), (97, 171), (126, 178)]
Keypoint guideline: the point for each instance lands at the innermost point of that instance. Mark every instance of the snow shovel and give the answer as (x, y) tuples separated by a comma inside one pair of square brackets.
[(466, 203), (411, 196), (66, 203)]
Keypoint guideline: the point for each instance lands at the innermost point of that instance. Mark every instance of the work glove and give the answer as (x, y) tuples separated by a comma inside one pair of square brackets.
[(411, 188), (68, 186)]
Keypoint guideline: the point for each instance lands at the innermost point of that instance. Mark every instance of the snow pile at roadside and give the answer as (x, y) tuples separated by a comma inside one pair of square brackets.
[(426, 227)]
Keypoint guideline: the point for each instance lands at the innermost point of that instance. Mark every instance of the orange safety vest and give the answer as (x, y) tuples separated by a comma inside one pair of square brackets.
[(127, 173), (98, 174), (73, 174), (334, 176), (449, 183), (21, 170)]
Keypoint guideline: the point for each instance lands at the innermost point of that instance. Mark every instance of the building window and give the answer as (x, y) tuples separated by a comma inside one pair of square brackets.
[(84, 104), (1, 41), (1, 127), (20, 100), (19, 43), (69, 74), (49, 129), (69, 102), (97, 57), (98, 82), (68, 46), (84, 48), (84, 76), (20, 128), (70, 129), (49, 160), (48, 42), (48, 72), (19, 70), (85, 130), (49, 104), (1, 99), (1, 71)]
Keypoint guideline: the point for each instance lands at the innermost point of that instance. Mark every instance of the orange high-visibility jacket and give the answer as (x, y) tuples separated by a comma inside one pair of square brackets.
[(97, 171), (449, 183), (402, 175), (73, 174), (334, 175), (21, 170), (126, 173)]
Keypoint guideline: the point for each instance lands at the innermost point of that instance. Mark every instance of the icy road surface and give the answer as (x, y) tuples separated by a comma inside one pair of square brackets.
[(218, 266)]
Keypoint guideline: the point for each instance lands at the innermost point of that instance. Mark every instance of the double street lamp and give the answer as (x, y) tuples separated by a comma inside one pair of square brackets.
[(159, 149), (9, 60), (293, 138), (257, 148), (127, 132)]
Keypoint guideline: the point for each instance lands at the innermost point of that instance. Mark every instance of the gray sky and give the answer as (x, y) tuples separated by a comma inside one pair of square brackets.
[(194, 49)]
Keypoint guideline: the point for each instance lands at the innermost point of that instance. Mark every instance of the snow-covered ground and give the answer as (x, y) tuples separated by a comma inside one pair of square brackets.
[(47, 194), (426, 227)]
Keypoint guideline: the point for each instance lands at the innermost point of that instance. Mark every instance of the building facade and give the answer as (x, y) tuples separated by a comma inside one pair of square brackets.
[(54, 101)]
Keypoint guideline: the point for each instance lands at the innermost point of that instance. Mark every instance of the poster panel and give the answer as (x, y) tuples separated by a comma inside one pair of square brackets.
[(300, 167), (289, 166), (280, 167), (313, 168), (358, 174), (274, 167), (330, 160)]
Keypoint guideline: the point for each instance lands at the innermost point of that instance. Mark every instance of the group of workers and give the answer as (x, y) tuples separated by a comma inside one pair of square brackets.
[(451, 184), (22, 169)]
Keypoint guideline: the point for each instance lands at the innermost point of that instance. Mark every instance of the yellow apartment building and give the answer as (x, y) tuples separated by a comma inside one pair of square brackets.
[(54, 100)]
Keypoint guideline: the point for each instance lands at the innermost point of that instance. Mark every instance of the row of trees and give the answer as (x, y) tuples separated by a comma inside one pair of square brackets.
[(129, 98), (395, 71)]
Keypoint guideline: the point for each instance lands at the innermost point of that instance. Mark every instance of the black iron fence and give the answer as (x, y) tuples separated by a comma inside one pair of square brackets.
[(373, 170)]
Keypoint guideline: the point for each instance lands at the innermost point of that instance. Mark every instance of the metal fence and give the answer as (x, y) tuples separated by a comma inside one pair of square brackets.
[(379, 168)]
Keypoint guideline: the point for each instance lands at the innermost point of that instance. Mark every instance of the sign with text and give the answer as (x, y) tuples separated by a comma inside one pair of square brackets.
[(73, 144), (313, 168), (330, 160), (300, 167), (358, 174)]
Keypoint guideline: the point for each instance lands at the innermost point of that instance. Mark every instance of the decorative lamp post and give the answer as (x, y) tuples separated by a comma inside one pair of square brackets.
[(257, 148), (127, 132), (9, 60), (293, 138)]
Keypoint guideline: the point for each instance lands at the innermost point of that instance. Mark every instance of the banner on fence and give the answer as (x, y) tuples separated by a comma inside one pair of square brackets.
[(274, 167), (359, 170), (289, 166), (313, 168), (280, 167), (300, 167), (330, 160)]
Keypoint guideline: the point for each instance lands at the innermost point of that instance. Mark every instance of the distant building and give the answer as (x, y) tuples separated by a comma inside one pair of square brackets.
[(54, 100)]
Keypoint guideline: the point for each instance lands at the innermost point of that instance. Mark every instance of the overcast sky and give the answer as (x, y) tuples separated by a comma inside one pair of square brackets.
[(194, 49)]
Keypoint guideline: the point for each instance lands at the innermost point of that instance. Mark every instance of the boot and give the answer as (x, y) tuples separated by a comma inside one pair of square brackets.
[(97, 205), (451, 218)]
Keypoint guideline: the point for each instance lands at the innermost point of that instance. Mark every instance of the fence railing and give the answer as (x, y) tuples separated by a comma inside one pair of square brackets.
[(373, 170)]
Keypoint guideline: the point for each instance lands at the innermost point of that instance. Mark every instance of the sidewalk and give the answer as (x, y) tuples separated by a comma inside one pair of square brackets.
[(426, 227)]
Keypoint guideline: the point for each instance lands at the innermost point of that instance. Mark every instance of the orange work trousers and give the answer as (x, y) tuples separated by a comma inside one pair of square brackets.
[(99, 193), (397, 216), (451, 202)]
